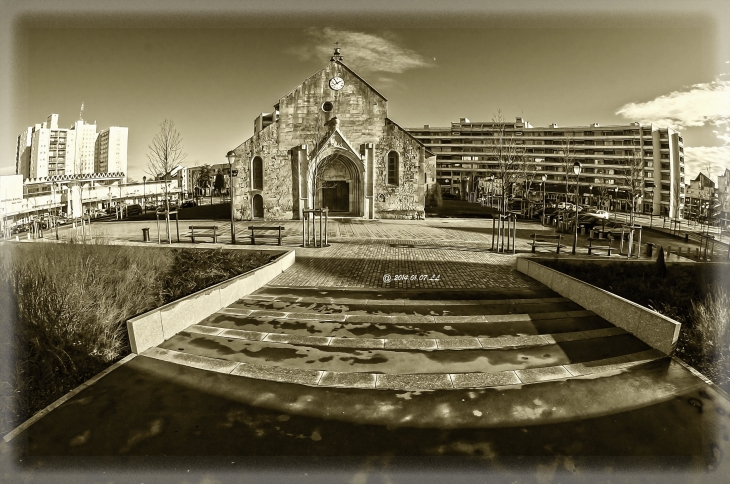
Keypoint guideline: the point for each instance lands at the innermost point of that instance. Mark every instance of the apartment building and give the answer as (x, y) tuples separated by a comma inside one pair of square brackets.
[(110, 152), (699, 198), (45, 150), (466, 150), (723, 197)]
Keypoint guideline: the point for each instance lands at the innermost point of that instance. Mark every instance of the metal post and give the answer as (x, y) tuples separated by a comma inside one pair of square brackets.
[(304, 230), (231, 156)]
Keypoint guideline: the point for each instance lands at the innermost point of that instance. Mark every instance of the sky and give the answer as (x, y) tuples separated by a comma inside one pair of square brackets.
[(213, 81)]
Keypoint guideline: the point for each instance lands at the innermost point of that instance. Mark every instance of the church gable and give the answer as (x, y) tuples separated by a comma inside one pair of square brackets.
[(360, 108)]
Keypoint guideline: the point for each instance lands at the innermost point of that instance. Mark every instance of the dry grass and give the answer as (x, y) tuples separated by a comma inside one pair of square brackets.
[(65, 308)]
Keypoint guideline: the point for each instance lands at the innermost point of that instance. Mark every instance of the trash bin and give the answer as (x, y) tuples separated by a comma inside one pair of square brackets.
[(649, 249), (146, 234)]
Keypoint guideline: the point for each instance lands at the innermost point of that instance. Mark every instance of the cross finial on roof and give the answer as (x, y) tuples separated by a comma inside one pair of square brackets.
[(336, 56)]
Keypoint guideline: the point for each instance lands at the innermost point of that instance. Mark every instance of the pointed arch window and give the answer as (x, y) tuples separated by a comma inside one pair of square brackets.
[(392, 167), (258, 173)]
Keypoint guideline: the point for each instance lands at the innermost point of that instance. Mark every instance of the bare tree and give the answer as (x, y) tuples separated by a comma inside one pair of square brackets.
[(502, 149), (633, 180), (602, 189), (567, 158), (527, 167), (166, 152)]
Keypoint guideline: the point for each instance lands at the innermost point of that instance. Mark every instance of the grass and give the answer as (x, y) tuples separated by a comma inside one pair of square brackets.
[(65, 308), (696, 295)]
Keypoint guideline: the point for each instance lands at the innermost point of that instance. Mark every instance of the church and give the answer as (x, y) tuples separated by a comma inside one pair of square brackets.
[(329, 144)]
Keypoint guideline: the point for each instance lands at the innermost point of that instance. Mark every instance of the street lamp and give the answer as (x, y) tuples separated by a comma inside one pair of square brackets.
[(231, 158), (590, 188), (576, 169), (144, 192), (491, 189), (544, 179)]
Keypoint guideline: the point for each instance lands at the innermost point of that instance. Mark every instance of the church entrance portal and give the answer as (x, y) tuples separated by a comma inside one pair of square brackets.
[(336, 196)]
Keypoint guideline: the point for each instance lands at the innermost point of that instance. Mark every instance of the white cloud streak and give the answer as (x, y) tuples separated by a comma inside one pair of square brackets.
[(702, 104), (363, 52), (706, 104)]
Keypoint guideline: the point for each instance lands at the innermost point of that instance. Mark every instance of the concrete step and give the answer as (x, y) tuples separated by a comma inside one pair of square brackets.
[(411, 294), (389, 327), (401, 356)]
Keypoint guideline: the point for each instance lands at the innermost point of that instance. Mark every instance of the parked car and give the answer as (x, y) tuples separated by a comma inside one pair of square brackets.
[(449, 196), (151, 206), (598, 213), (189, 203), (134, 210)]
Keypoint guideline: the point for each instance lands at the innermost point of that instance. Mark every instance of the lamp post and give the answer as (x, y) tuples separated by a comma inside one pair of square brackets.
[(231, 157), (544, 179), (590, 188), (491, 189), (576, 169), (144, 193)]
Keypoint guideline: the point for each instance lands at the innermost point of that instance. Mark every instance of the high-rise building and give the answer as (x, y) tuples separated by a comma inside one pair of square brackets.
[(111, 151), (467, 150), (46, 150), (85, 148)]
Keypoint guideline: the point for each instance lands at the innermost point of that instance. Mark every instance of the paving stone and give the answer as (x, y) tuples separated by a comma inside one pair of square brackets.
[(410, 344), (195, 361), (194, 328), (309, 340), (480, 380), (384, 302), (580, 369), (311, 316), (235, 311), (603, 332), (347, 380), (258, 313), (357, 342), (277, 338), (425, 381), (533, 375), (276, 373), (357, 318), (241, 334), (457, 343), (549, 315), (502, 341), (562, 337), (459, 319), (506, 318), (411, 319)]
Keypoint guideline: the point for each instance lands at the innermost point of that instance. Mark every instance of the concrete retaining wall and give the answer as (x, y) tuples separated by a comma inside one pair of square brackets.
[(153, 327), (654, 329)]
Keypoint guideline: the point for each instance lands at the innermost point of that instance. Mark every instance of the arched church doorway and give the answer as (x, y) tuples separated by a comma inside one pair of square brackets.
[(258, 206), (339, 186)]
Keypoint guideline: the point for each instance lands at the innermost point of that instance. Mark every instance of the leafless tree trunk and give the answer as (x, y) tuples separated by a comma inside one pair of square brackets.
[(633, 180), (503, 150), (166, 152), (567, 157)]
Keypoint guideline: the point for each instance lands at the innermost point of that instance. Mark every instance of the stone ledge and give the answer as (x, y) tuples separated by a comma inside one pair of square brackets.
[(153, 327), (654, 329)]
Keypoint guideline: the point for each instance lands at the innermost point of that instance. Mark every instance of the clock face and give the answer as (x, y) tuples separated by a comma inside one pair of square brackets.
[(336, 83)]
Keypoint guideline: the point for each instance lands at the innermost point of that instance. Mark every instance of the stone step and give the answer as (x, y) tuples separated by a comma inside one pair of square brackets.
[(401, 308), (579, 398), (410, 294), (410, 381), (402, 356), (387, 327)]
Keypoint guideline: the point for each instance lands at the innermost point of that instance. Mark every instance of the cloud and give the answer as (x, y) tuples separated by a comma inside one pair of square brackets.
[(697, 159), (706, 104), (363, 52), (701, 104)]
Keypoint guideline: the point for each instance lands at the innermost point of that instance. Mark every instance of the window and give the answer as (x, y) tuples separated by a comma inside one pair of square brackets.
[(258, 173), (392, 168)]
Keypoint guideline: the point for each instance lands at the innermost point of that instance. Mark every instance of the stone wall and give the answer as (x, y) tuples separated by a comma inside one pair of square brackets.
[(404, 200), (277, 189)]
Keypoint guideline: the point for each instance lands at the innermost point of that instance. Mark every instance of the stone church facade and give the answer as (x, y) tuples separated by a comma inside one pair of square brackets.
[(330, 144)]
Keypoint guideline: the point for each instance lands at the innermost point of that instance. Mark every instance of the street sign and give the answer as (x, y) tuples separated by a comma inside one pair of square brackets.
[(234, 172)]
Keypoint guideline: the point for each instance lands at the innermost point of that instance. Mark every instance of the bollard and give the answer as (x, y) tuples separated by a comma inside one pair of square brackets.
[(686, 238), (146, 234), (697, 252), (649, 249)]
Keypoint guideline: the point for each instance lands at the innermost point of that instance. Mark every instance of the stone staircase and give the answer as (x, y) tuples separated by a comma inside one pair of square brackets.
[(521, 353)]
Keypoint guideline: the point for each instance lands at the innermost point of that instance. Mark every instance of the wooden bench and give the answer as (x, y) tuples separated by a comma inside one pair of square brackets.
[(540, 240), (254, 228), (607, 248), (193, 228)]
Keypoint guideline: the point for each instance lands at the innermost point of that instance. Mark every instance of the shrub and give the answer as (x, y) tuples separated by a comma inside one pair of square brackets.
[(65, 308), (709, 336), (434, 197)]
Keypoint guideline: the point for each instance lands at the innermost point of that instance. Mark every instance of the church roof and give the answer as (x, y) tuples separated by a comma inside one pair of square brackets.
[(388, 120)]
